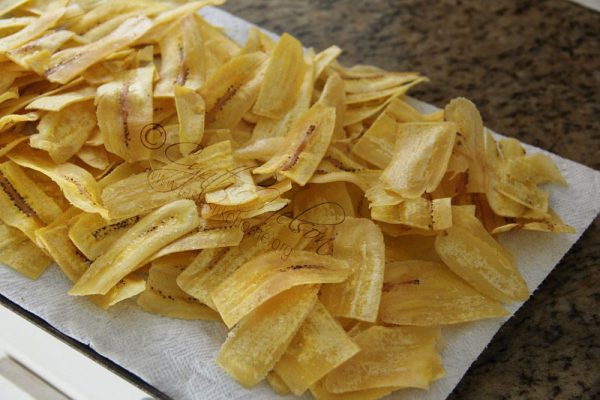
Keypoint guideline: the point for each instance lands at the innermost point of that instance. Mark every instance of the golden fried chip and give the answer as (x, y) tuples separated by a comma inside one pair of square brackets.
[(32, 31), (482, 262), (305, 145), (78, 186), (268, 128), (93, 235), (59, 101), (320, 392), (24, 205), (397, 357), (333, 96), (188, 177), (231, 90), (162, 295), (255, 345), (282, 79), (63, 133), (205, 237), (34, 54), (277, 384), (213, 266), (267, 275), (68, 63), (21, 254), (359, 242), (154, 230), (320, 346), (421, 155), (190, 114), (124, 111), (428, 294), (468, 122)]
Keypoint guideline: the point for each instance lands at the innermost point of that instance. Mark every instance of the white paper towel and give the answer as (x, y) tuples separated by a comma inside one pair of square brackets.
[(178, 357)]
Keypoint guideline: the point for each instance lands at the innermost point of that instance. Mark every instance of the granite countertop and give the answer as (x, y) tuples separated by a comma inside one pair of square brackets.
[(533, 69)]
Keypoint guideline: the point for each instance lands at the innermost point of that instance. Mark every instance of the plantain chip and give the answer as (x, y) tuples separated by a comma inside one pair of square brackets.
[(398, 357), (20, 253), (126, 255), (63, 133), (190, 114), (282, 79), (230, 91), (162, 295), (482, 262), (359, 242), (124, 112), (77, 185), (428, 294), (320, 346), (421, 155), (267, 275), (306, 144), (68, 63), (255, 345)]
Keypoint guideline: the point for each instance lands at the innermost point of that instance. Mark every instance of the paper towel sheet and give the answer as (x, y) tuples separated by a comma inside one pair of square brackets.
[(178, 357)]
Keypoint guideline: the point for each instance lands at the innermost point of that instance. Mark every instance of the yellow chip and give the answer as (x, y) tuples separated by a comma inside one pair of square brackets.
[(32, 31), (127, 254), (398, 357), (421, 155), (68, 63), (24, 205), (468, 121), (410, 247), (57, 102), (321, 393), (205, 237), (267, 275), (93, 235), (359, 242), (77, 185), (428, 294), (94, 156), (305, 145), (21, 254), (277, 384), (213, 266), (255, 345), (190, 114), (162, 295), (231, 90), (333, 96), (482, 262), (63, 133), (283, 78), (267, 128), (124, 111), (33, 55), (188, 177), (320, 345)]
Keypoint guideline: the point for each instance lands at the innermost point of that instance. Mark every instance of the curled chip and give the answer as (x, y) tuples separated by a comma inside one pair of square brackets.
[(309, 207), (421, 155)]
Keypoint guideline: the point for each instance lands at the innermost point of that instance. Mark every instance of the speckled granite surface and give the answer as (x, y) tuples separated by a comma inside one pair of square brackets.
[(533, 68)]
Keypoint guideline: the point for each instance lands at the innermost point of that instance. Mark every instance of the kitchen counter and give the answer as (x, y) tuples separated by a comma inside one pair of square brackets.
[(533, 69)]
